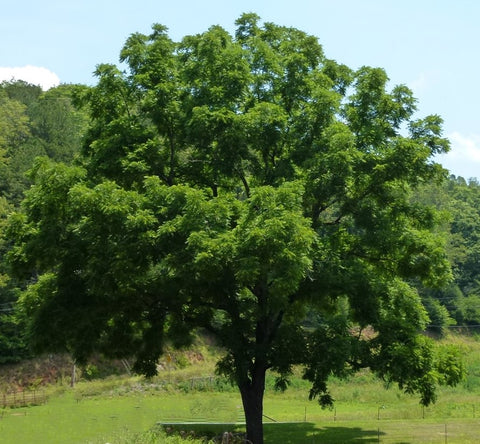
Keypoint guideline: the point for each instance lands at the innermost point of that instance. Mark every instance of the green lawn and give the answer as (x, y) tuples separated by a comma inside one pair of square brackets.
[(128, 410), (114, 418)]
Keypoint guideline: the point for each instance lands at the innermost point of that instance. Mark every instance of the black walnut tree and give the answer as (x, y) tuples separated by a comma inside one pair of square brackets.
[(243, 184)]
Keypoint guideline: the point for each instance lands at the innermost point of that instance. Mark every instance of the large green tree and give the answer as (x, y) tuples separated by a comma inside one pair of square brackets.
[(238, 184)]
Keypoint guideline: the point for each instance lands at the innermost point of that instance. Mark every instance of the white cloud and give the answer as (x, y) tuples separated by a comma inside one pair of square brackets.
[(464, 156), (419, 84), (36, 75)]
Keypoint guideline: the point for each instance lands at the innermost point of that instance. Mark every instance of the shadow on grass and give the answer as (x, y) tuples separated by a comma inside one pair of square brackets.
[(286, 433), (306, 432)]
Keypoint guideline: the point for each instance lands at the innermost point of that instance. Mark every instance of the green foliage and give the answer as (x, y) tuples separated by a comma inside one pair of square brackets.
[(14, 132), (13, 343), (32, 124), (90, 371), (57, 125), (439, 316), (35, 123), (21, 91), (460, 200), (231, 183)]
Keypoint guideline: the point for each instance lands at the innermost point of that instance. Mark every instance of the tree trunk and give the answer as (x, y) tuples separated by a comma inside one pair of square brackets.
[(252, 399)]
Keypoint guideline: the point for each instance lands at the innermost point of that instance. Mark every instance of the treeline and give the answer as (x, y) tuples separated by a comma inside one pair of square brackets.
[(53, 124), (33, 123), (457, 304)]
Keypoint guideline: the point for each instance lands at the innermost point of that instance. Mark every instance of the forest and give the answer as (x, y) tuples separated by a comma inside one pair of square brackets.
[(239, 182), (33, 123)]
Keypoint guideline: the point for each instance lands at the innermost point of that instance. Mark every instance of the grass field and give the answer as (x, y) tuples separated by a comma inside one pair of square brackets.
[(124, 410), (116, 416)]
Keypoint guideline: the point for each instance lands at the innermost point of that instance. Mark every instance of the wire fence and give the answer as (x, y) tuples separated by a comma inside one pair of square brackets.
[(22, 398), (448, 422), (304, 423)]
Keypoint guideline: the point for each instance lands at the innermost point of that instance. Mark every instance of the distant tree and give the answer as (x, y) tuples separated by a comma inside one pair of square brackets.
[(459, 200), (32, 124), (14, 134), (58, 126), (13, 341), (239, 184), (465, 233), (21, 91), (35, 124)]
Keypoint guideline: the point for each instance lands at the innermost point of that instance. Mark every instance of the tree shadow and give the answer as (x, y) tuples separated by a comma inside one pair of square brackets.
[(306, 432), (285, 432)]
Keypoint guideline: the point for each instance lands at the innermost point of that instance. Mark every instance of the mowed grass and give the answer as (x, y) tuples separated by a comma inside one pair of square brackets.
[(128, 410), (66, 419), (398, 432), (122, 418)]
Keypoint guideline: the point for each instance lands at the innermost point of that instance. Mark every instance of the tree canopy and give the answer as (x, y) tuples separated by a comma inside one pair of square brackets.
[(240, 184)]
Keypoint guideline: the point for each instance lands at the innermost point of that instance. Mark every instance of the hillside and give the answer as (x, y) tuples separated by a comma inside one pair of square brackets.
[(196, 362)]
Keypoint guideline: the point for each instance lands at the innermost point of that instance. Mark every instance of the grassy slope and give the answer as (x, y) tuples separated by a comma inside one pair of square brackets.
[(116, 409)]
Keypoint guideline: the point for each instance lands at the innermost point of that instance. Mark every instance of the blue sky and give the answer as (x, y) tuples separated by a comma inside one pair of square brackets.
[(430, 45)]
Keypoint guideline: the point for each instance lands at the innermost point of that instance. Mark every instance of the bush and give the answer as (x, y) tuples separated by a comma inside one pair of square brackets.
[(439, 316)]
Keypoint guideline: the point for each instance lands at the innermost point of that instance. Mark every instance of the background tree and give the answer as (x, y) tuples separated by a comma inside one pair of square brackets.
[(13, 341), (14, 132), (22, 92), (32, 123), (58, 124), (459, 200), (35, 123), (233, 183)]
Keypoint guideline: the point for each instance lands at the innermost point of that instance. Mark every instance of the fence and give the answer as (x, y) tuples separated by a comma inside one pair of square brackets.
[(23, 398)]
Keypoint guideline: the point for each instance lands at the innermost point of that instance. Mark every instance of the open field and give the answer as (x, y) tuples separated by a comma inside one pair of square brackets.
[(121, 410), (72, 418)]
